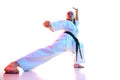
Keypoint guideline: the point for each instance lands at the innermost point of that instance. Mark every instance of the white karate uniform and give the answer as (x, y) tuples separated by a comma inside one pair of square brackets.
[(63, 43)]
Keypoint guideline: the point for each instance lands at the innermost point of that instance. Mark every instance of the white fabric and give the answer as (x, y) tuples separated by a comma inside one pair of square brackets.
[(63, 43), (66, 25)]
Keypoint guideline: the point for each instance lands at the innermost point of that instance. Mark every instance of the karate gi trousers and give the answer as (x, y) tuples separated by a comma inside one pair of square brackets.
[(40, 56)]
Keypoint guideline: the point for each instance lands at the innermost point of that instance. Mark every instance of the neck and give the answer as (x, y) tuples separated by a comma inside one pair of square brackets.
[(72, 20)]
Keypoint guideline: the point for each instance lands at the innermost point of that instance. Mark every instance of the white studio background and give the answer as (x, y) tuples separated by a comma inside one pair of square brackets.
[(22, 30), (21, 25)]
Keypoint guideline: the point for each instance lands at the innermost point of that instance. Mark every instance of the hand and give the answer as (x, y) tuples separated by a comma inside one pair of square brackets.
[(75, 8), (46, 24)]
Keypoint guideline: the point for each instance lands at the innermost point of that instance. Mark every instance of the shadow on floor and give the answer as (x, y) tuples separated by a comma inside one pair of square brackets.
[(25, 76)]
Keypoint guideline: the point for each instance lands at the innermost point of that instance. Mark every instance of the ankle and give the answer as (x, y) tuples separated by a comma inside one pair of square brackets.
[(15, 64)]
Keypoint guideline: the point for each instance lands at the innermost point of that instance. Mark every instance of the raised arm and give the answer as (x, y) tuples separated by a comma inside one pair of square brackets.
[(76, 13)]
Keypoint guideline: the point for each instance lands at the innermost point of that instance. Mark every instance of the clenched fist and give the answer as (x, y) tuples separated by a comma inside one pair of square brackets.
[(46, 24)]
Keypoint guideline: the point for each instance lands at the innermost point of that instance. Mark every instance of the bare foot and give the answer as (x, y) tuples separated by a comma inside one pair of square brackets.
[(12, 68), (78, 66)]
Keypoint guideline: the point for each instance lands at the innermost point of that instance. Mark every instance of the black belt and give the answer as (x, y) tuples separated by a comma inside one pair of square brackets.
[(77, 44)]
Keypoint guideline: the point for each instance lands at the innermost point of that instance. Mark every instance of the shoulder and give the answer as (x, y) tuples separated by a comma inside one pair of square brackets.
[(60, 22)]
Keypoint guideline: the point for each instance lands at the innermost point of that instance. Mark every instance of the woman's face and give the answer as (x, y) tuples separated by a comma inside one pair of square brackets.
[(70, 15)]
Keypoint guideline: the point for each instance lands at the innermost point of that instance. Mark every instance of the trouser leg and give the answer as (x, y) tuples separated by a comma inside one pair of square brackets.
[(36, 58), (41, 56)]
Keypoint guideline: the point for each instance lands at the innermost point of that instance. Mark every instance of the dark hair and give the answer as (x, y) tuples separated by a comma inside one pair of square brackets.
[(74, 21)]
